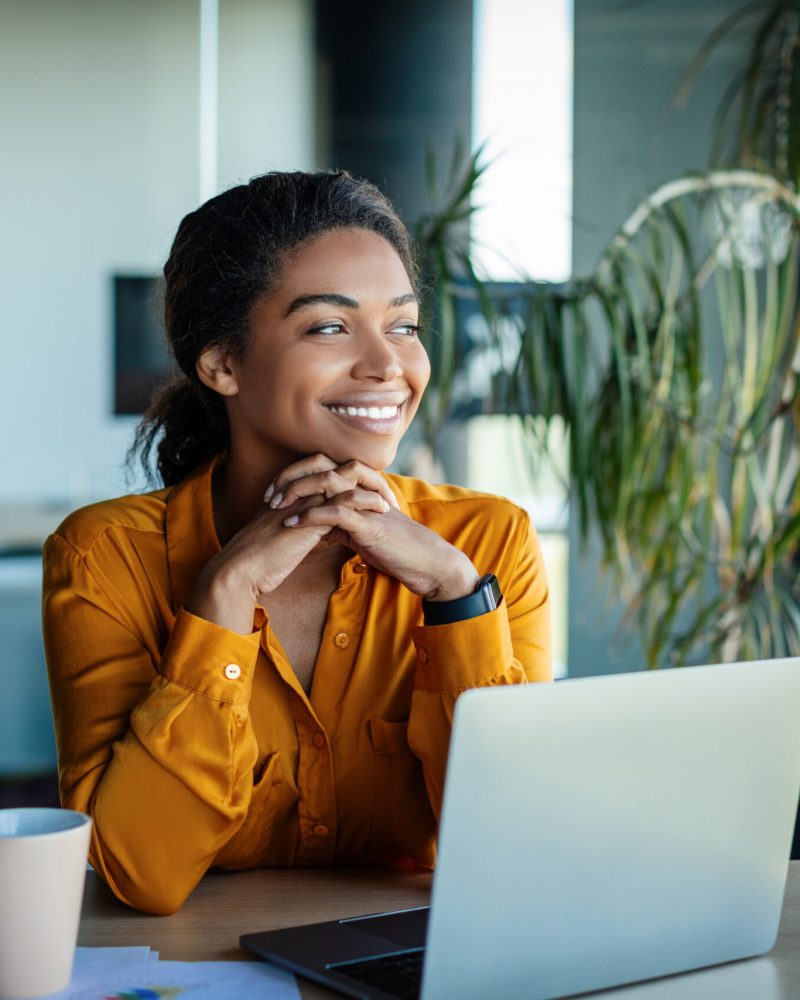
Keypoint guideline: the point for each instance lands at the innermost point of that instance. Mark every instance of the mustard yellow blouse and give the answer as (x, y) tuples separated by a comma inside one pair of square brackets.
[(192, 746)]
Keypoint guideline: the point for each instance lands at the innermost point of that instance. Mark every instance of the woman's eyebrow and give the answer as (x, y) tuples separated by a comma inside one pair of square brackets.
[(333, 299), (328, 298)]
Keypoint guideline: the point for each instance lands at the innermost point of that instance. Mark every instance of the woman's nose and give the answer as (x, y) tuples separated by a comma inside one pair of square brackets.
[(376, 359)]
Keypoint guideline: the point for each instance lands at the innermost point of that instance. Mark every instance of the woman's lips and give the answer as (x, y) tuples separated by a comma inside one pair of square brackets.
[(373, 412), (370, 419)]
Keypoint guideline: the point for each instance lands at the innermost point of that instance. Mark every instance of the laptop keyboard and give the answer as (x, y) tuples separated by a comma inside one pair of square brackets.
[(399, 974)]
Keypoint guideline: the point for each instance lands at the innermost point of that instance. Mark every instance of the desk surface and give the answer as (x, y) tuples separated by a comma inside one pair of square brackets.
[(226, 905)]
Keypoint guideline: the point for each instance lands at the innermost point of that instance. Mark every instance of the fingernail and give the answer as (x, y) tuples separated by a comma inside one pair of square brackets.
[(290, 522), (270, 491), (386, 506), (276, 500), (395, 504)]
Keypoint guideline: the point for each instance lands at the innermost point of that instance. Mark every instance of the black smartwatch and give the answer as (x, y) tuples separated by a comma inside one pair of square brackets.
[(486, 597)]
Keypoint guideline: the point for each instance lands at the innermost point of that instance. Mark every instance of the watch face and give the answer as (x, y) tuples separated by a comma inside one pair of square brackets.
[(490, 587), (487, 594)]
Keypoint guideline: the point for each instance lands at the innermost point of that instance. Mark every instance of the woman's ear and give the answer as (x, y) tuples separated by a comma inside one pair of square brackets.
[(214, 371)]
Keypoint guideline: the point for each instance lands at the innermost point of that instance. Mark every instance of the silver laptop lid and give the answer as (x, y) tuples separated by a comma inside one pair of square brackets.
[(605, 830)]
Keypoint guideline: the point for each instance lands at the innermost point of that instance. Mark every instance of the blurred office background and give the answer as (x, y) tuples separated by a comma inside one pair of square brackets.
[(118, 116)]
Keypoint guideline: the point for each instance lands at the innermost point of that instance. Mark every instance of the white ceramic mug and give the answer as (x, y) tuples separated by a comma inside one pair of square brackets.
[(42, 871)]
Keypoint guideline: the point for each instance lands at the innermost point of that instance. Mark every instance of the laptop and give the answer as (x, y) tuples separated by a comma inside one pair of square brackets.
[(594, 832)]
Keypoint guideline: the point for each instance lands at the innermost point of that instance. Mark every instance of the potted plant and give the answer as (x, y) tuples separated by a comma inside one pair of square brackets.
[(676, 368)]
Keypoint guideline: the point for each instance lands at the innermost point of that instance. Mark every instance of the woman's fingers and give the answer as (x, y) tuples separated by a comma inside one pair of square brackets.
[(305, 467), (325, 484), (332, 515), (351, 500), (290, 485)]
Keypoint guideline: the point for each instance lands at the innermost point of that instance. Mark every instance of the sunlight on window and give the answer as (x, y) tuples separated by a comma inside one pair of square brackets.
[(522, 107), (522, 228)]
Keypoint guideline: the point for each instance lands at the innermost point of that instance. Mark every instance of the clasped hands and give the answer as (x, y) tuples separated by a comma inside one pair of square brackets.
[(316, 500)]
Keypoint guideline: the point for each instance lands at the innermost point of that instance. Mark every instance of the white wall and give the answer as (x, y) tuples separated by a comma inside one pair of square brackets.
[(266, 88), (99, 137)]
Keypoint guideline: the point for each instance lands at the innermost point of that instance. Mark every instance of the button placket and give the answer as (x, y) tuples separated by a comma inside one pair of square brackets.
[(338, 651), (317, 802)]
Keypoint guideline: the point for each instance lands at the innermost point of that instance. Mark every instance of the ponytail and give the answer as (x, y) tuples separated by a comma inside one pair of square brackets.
[(185, 425)]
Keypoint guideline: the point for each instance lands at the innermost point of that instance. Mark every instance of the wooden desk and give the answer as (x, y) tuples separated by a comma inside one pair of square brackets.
[(226, 905)]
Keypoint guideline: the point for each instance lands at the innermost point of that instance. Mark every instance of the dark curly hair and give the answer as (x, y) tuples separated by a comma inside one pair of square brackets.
[(226, 255)]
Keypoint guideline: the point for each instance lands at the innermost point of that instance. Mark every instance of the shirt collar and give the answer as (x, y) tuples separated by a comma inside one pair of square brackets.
[(191, 535), (394, 486)]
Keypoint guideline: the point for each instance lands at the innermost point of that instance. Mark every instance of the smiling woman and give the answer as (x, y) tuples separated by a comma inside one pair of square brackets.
[(257, 663), (320, 366)]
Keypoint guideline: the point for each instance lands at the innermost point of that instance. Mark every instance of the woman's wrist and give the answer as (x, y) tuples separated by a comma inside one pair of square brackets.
[(460, 581), (225, 598)]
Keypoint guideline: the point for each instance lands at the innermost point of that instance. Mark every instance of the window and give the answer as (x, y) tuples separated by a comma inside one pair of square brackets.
[(522, 229), (522, 110)]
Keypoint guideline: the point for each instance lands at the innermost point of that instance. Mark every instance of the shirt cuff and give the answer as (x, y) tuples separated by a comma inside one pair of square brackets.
[(463, 654), (210, 660)]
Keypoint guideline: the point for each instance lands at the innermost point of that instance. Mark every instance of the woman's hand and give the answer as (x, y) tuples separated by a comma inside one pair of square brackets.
[(259, 558), (384, 537), (349, 504), (320, 476)]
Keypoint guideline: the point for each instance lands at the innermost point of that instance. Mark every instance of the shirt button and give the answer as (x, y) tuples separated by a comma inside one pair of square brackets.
[(320, 830), (360, 568), (318, 741), (342, 639), (233, 671), (422, 655)]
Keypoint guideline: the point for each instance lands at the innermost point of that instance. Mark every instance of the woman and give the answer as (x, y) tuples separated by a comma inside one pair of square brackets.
[(257, 664)]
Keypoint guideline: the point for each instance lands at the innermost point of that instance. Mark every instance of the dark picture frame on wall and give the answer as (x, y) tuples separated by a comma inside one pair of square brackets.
[(141, 357)]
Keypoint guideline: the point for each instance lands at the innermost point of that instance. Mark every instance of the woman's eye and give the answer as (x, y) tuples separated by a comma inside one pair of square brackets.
[(406, 329), (326, 329)]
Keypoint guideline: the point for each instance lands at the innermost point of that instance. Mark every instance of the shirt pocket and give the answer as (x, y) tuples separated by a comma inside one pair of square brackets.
[(402, 823), (250, 846)]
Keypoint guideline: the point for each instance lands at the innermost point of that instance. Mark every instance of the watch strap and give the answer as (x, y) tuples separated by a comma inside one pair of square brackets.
[(486, 597)]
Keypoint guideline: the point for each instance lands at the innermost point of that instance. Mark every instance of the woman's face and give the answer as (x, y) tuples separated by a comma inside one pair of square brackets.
[(334, 363)]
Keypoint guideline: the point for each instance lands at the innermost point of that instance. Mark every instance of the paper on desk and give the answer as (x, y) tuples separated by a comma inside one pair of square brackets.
[(137, 974), (87, 959)]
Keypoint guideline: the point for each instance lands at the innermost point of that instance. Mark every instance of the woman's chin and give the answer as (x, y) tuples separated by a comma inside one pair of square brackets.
[(379, 456)]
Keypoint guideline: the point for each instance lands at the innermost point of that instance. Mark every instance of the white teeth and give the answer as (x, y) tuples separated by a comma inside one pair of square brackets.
[(372, 412)]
